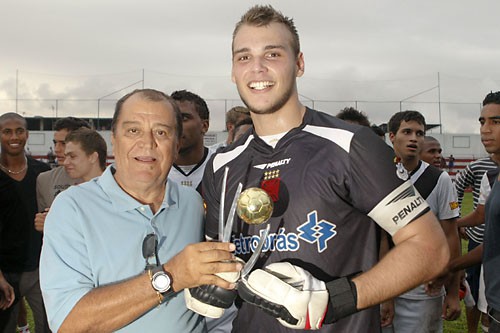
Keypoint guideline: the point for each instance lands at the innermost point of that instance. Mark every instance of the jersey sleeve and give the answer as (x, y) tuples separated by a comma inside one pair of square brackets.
[(464, 179), (447, 197), (375, 186), (65, 270), (485, 190)]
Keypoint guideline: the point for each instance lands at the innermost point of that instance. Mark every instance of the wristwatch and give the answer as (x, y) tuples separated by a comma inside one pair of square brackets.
[(161, 281)]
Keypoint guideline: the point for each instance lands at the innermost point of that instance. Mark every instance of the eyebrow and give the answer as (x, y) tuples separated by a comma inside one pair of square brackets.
[(128, 123), (266, 48), (493, 117)]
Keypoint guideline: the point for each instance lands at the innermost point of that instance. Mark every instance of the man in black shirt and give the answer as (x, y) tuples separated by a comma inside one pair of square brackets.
[(20, 243), (326, 177)]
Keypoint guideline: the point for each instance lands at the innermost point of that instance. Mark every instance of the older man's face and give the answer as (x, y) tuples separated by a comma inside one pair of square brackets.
[(144, 143)]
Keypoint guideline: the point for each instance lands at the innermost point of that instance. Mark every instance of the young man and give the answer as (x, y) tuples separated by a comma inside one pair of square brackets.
[(490, 136), (85, 154), (471, 177), (314, 166), (431, 151), (423, 308), (193, 156), (49, 184), (233, 116), (354, 116), (20, 244), (117, 249)]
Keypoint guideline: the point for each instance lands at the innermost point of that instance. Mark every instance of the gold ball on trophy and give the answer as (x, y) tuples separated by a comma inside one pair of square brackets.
[(255, 206)]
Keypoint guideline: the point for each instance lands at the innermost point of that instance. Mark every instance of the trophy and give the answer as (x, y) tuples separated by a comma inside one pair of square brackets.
[(254, 206)]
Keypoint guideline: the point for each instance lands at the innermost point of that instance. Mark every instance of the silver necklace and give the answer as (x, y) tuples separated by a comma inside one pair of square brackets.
[(4, 168)]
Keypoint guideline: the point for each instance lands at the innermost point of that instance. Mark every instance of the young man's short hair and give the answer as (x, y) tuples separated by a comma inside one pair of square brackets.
[(397, 118), (90, 141)]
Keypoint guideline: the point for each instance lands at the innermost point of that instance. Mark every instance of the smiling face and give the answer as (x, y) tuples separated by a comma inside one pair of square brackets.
[(408, 140), (490, 128), (265, 67), (144, 142), (13, 136), (77, 163)]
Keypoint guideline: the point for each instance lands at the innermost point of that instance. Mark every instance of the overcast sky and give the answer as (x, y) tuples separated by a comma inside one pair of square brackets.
[(378, 53)]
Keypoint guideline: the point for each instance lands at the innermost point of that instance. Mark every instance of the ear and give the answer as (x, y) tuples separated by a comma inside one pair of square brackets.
[(392, 136), (94, 157), (233, 78), (113, 144), (205, 125), (301, 66)]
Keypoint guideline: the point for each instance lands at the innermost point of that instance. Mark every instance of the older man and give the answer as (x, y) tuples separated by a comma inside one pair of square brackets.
[(116, 251)]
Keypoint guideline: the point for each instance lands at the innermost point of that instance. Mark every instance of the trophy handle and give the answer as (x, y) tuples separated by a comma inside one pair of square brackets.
[(256, 254), (230, 218), (222, 200)]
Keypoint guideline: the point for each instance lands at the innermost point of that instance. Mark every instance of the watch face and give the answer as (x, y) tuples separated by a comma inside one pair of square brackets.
[(161, 282)]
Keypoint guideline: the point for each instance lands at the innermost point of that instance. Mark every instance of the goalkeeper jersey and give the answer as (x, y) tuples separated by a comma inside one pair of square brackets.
[(329, 180)]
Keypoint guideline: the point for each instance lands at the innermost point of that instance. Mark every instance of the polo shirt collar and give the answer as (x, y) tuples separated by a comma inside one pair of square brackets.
[(123, 202)]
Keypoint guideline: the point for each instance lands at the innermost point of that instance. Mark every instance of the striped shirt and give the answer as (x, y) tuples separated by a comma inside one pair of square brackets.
[(471, 176)]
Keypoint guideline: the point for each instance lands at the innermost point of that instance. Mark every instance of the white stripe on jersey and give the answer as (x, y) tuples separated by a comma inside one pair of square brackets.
[(338, 136), (222, 159)]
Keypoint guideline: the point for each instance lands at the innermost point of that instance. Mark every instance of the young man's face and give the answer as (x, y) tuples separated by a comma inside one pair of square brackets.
[(408, 140), (265, 67), (60, 145), (431, 152), (13, 136), (193, 127), (77, 163), (490, 128)]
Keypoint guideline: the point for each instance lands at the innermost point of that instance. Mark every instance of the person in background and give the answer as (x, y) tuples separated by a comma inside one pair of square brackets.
[(471, 176), (49, 184), (85, 154), (20, 243), (423, 308), (354, 116), (431, 151), (233, 116), (189, 166)]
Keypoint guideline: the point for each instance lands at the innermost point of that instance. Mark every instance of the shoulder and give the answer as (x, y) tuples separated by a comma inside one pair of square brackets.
[(39, 166)]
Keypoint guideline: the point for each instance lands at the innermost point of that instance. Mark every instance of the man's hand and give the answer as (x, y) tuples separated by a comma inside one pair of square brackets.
[(210, 300), (40, 220), (289, 293), (386, 313), (7, 295), (197, 264), (451, 307)]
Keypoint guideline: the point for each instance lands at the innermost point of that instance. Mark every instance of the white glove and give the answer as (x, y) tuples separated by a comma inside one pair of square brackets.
[(210, 300), (291, 294)]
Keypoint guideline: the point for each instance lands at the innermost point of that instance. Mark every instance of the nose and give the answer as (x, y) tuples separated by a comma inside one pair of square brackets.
[(147, 140), (258, 64), (66, 160)]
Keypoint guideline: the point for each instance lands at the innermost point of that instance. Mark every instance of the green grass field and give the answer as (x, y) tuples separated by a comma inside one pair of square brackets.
[(457, 326)]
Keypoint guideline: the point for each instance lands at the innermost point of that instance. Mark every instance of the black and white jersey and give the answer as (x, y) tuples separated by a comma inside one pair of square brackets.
[(437, 189), (328, 180), (194, 176), (471, 176)]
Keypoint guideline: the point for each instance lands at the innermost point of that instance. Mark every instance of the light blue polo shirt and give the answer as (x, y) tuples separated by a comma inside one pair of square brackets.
[(93, 236)]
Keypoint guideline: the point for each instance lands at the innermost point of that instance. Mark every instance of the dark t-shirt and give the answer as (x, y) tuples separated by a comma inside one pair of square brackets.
[(491, 254), (326, 176), (20, 243)]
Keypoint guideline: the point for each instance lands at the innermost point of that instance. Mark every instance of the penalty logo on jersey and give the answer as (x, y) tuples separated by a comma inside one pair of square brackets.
[(313, 231)]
